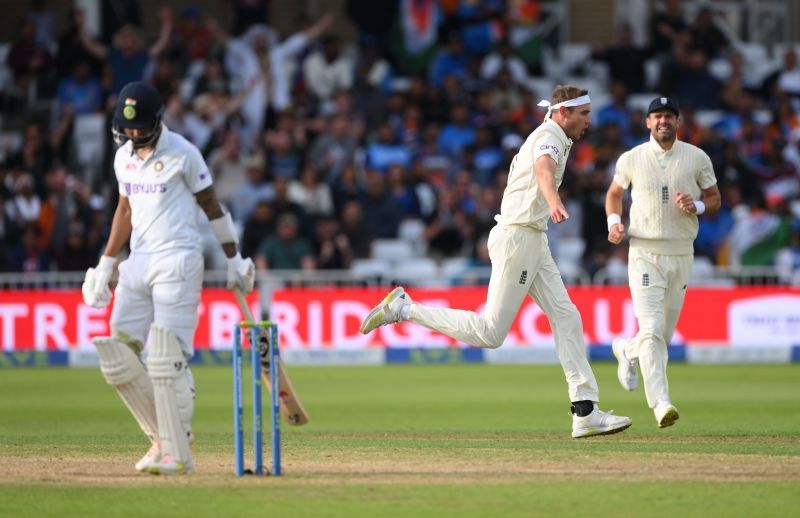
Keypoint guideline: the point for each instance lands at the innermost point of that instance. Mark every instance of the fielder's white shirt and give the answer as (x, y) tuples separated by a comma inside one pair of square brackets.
[(523, 203), (657, 224), (160, 189)]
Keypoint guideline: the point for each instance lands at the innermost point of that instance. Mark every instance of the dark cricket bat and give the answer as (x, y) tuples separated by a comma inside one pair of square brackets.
[(291, 407)]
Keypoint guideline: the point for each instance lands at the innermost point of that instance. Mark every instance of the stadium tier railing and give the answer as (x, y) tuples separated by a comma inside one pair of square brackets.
[(713, 276)]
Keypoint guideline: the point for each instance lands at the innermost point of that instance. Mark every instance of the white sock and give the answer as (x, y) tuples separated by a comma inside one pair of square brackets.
[(404, 312)]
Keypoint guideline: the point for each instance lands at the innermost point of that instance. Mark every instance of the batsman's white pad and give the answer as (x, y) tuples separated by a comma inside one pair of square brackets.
[(123, 371), (167, 367)]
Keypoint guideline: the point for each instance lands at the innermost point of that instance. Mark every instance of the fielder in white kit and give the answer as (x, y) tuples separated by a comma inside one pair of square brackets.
[(162, 181), (523, 265), (667, 178)]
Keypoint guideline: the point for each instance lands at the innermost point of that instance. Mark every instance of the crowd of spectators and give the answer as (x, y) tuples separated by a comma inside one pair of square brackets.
[(320, 144)]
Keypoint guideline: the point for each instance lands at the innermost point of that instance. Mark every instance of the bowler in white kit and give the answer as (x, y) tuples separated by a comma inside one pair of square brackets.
[(523, 265), (163, 179), (671, 183)]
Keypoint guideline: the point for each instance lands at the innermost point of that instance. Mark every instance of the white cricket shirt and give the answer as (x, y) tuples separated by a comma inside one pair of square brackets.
[(523, 203), (657, 224), (160, 189)]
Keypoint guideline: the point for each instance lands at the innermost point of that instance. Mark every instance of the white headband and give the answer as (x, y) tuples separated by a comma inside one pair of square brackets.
[(578, 101)]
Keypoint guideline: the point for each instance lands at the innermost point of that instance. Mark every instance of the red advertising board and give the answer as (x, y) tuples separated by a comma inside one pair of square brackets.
[(329, 318), (59, 320)]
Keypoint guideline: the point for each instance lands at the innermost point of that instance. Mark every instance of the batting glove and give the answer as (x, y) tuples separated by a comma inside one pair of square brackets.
[(241, 273), (96, 292)]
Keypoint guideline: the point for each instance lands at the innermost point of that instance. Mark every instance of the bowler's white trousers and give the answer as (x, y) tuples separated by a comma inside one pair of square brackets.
[(162, 288), (521, 265), (658, 286)]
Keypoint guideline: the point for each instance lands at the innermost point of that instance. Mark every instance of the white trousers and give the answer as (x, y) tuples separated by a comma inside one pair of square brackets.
[(658, 286), (521, 265), (162, 288)]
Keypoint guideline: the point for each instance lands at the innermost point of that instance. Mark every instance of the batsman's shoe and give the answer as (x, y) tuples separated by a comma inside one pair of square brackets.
[(153, 455), (666, 414), (598, 423), (388, 311), (627, 372), (167, 466)]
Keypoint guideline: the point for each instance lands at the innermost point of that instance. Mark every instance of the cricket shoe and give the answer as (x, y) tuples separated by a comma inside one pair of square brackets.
[(666, 414), (152, 455), (167, 466), (388, 311), (627, 372), (598, 423)]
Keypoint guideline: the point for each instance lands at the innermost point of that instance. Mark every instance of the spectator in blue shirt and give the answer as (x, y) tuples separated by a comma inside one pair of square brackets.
[(386, 151), (617, 111), (80, 90), (452, 60), (126, 58), (488, 156), (458, 134)]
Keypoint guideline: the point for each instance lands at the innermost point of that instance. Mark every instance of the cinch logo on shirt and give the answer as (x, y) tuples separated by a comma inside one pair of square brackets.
[(545, 147), (144, 188)]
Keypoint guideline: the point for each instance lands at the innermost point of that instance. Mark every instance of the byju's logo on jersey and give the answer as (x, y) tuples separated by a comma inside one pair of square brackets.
[(144, 188)]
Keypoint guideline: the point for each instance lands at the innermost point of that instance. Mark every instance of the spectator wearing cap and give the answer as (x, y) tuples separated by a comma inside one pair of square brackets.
[(287, 249)]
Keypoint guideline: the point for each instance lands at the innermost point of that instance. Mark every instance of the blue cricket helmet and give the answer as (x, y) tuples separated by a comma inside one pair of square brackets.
[(139, 106)]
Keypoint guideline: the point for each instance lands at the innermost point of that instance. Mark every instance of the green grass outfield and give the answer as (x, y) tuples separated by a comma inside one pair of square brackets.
[(468, 440)]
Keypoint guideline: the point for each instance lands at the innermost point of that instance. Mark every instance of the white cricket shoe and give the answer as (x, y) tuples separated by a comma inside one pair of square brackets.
[(627, 372), (167, 466), (388, 311), (666, 414), (152, 455), (598, 423)]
